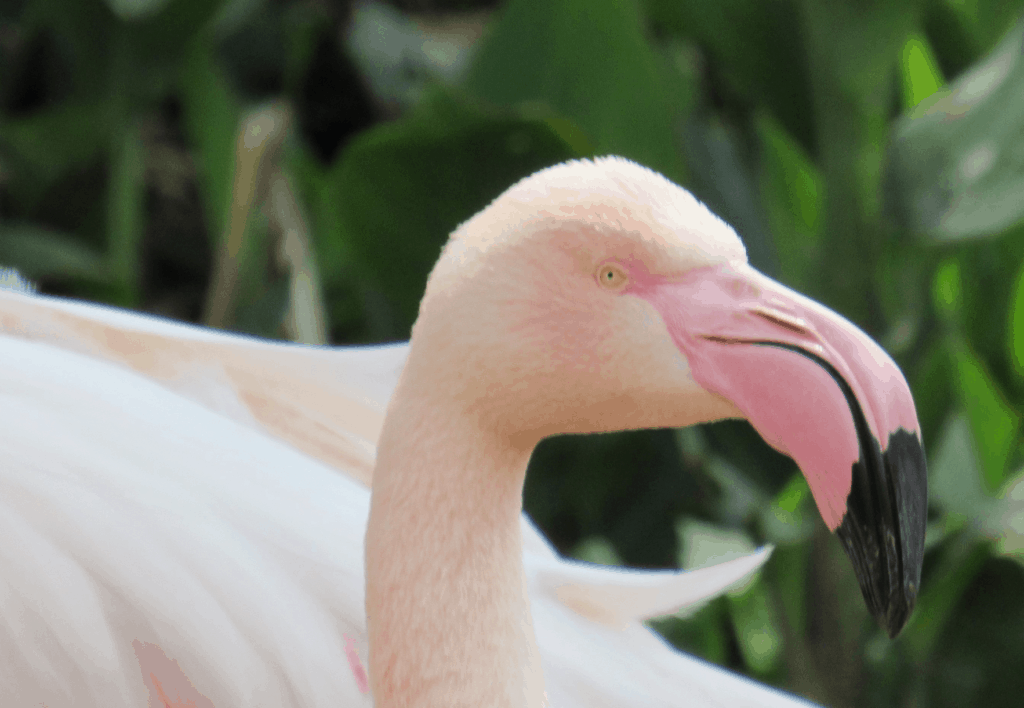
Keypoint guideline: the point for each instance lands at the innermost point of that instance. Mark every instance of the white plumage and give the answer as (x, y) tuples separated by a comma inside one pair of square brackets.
[(156, 486)]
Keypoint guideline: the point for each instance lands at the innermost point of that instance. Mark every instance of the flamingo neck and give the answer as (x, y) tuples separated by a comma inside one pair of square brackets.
[(447, 610)]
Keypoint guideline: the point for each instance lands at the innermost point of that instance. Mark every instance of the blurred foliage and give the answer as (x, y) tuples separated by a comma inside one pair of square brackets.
[(291, 168)]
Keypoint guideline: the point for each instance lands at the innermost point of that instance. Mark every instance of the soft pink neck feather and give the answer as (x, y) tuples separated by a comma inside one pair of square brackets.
[(448, 618)]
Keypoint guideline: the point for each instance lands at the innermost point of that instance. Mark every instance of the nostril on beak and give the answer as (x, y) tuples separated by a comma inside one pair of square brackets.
[(793, 323)]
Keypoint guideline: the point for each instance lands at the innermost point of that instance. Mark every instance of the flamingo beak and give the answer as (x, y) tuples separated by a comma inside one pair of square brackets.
[(821, 391)]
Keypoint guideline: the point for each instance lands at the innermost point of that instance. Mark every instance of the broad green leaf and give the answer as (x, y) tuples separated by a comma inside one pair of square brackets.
[(792, 192), (589, 61), (756, 47), (402, 187), (956, 163)]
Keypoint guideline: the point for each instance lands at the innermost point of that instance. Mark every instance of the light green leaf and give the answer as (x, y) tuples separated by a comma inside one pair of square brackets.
[(920, 71), (955, 479), (597, 549), (1006, 519), (789, 518), (956, 163), (947, 288), (702, 544), (757, 628)]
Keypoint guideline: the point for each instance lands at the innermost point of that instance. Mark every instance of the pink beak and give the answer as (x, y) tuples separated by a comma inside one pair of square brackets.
[(821, 391)]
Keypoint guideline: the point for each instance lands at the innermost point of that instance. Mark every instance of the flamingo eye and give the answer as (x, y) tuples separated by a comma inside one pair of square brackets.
[(612, 276)]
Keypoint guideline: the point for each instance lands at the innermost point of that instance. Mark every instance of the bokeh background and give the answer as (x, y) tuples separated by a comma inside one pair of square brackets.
[(291, 168)]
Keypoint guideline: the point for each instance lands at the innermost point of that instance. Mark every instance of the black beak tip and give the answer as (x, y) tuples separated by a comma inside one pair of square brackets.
[(884, 527), (895, 618)]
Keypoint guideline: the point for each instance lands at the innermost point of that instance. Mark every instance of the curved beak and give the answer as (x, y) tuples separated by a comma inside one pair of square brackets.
[(821, 391)]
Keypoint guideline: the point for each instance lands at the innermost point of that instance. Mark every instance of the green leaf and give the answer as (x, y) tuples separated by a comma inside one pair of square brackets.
[(399, 189), (920, 71), (126, 216), (702, 632), (931, 380), (165, 37), (947, 288), (756, 47), (993, 422), (1006, 519), (42, 253), (135, 9), (757, 628), (963, 30), (45, 146), (211, 120), (589, 61), (1016, 325), (597, 549), (852, 49), (956, 163), (789, 518), (788, 574), (724, 179), (955, 479), (975, 661), (961, 559), (793, 194), (702, 544)]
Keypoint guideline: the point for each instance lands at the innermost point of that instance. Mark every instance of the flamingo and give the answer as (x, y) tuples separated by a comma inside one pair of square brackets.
[(185, 511)]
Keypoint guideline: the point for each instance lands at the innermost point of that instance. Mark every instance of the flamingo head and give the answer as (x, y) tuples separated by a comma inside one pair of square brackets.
[(597, 296)]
